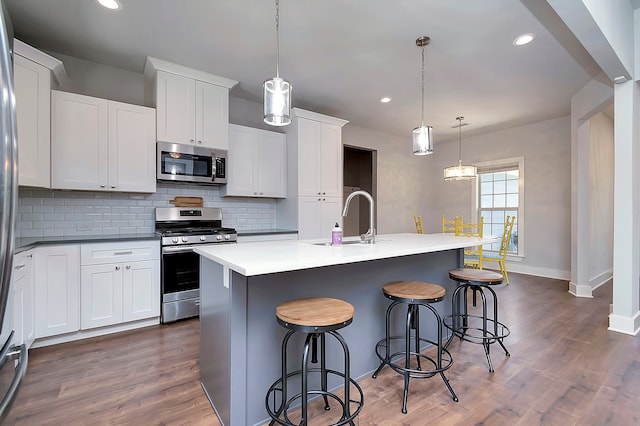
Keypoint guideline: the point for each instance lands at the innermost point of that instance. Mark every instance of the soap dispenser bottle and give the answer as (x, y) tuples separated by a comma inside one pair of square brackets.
[(336, 235)]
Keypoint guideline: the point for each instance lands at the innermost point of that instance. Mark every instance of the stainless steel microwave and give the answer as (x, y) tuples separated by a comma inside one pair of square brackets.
[(186, 163)]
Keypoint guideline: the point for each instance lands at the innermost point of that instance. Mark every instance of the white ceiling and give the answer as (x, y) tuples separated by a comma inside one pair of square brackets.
[(340, 56)]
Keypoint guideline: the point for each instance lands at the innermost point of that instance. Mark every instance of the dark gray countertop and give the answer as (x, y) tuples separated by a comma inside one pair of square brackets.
[(26, 243), (266, 232)]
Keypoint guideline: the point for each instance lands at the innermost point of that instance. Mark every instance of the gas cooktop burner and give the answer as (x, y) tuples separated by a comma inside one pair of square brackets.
[(201, 225)]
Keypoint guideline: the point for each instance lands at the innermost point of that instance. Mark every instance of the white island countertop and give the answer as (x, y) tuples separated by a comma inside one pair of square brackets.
[(270, 257)]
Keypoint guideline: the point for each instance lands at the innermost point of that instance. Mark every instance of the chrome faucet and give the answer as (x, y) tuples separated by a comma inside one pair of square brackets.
[(370, 236)]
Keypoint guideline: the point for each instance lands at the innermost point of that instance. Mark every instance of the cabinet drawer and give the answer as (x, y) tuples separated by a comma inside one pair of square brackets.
[(22, 264), (129, 251)]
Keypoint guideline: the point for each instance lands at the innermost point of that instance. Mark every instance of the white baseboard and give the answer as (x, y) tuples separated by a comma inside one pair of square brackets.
[(85, 334), (601, 279), (580, 290), (626, 325), (519, 268)]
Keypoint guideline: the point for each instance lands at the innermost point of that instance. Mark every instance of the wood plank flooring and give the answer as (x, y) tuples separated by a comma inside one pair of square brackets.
[(565, 369)]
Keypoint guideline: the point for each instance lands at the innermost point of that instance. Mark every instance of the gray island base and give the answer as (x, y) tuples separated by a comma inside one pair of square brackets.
[(240, 340)]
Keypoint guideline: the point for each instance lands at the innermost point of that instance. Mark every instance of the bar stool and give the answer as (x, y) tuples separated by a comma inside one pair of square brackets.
[(413, 294), (477, 329), (315, 317)]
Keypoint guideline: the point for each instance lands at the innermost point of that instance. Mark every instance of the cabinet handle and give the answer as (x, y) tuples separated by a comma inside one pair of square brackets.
[(117, 268), (324, 199), (319, 193), (192, 141), (101, 186), (113, 186), (255, 193), (18, 267), (120, 253), (128, 266), (199, 142), (261, 193), (319, 199), (29, 256), (324, 193)]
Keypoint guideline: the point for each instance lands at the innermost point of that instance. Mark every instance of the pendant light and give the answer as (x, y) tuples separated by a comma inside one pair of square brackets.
[(423, 135), (460, 172), (277, 91)]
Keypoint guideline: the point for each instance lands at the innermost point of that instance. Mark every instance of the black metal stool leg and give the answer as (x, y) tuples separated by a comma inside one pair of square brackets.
[(387, 341), (485, 340), (323, 371), (440, 350), (415, 324), (495, 322)]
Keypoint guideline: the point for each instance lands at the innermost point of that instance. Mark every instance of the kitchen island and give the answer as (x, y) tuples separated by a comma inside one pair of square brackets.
[(241, 285)]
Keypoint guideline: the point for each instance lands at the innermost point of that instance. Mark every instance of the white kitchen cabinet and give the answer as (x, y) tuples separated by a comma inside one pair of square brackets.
[(192, 106), (317, 216), (314, 175), (120, 282), (101, 145), (257, 163), (57, 289), (34, 75), (23, 302), (319, 158)]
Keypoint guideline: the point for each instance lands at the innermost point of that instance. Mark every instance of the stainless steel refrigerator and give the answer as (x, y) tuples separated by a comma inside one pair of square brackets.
[(11, 372)]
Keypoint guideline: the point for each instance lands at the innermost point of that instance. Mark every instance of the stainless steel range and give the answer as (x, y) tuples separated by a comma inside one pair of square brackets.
[(183, 228)]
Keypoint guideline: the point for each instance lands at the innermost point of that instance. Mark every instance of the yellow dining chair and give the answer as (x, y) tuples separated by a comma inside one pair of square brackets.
[(473, 255), (452, 225), (418, 222), (501, 256)]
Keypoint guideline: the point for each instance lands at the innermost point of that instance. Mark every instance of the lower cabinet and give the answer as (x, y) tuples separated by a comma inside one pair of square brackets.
[(116, 292), (23, 308), (57, 289), (317, 216), (85, 286)]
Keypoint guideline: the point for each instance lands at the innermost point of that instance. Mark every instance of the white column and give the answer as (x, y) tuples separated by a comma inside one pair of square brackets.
[(625, 316)]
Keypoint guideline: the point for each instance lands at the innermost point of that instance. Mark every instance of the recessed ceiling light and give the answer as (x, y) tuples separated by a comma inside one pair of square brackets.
[(523, 39), (385, 100), (110, 4)]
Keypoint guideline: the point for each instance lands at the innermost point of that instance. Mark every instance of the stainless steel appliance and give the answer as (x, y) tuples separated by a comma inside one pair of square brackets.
[(185, 163), (183, 228), (11, 374)]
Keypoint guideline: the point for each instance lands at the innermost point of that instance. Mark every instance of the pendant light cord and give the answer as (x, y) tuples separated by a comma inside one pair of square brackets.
[(422, 86), (459, 139), (277, 38)]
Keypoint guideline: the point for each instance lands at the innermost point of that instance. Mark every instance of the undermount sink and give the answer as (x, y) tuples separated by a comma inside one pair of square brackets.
[(344, 243)]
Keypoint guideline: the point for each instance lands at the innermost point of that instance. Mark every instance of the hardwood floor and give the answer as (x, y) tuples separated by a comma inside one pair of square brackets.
[(565, 368)]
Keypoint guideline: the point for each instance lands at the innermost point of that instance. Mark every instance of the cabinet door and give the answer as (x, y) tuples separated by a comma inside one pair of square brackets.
[(317, 216), (242, 169), (211, 115), (141, 284), (330, 160), (101, 295), (33, 110), (309, 160), (78, 142), (175, 108), (23, 303), (272, 165), (57, 290), (132, 137)]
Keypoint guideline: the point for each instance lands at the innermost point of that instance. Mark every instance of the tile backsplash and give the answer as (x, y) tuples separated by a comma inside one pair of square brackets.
[(57, 213)]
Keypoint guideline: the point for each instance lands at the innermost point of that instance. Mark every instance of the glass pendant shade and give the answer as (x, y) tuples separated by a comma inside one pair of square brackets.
[(460, 172), (277, 102), (423, 140)]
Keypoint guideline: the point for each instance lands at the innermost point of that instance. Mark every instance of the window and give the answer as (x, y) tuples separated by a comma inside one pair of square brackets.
[(499, 194)]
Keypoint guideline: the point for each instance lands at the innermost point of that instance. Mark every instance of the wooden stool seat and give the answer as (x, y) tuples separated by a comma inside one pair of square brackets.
[(314, 312), (476, 275), (414, 290)]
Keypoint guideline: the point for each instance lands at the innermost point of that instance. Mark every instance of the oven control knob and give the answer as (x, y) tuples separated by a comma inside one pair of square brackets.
[(175, 240), (203, 238), (226, 237), (218, 237), (185, 239)]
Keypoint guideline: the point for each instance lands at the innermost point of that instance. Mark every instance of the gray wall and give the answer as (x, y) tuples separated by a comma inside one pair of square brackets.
[(546, 148)]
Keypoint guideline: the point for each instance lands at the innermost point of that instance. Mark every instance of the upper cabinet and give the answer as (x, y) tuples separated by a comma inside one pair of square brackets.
[(35, 73), (257, 163), (101, 145), (192, 106)]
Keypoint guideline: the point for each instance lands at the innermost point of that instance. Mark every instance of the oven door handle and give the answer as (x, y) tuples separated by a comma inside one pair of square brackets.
[(178, 249)]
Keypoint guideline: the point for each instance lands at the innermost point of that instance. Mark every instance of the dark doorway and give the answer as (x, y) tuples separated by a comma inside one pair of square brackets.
[(359, 173)]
